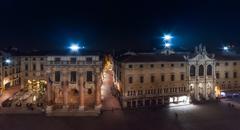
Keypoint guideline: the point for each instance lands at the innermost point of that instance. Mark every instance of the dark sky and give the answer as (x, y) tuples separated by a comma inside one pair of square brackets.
[(118, 24)]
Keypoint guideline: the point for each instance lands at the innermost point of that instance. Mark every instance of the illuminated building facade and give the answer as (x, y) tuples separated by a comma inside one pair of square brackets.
[(150, 79), (70, 81), (10, 74), (74, 82)]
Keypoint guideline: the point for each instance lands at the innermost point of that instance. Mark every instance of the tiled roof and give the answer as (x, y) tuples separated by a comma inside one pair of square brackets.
[(58, 53), (151, 57), (227, 57)]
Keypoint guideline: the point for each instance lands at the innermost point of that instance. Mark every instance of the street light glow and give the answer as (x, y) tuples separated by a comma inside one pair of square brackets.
[(74, 47), (8, 61), (167, 45), (167, 37), (225, 48)]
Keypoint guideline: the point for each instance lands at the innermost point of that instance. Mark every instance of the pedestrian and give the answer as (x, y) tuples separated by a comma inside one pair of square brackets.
[(176, 115)]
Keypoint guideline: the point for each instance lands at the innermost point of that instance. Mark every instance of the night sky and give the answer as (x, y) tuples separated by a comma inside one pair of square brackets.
[(115, 24)]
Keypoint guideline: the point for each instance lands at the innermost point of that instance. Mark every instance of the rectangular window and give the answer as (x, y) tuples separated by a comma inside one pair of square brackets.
[(73, 76), (89, 76), (141, 66), (172, 65), (152, 65), (182, 76), (234, 74), (234, 63), (172, 77), (141, 79), (182, 65), (57, 76), (162, 78), (226, 63), (26, 67), (226, 75), (129, 66), (130, 80), (152, 79), (57, 60), (217, 75), (162, 65), (42, 67), (73, 60), (89, 60), (34, 67), (217, 64)]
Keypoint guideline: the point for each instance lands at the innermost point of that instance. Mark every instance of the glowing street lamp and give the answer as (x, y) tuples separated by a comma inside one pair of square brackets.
[(225, 48), (167, 45), (74, 47), (167, 37), (8, 61)]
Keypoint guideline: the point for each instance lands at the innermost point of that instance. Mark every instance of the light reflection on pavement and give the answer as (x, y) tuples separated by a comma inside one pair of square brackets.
[(109, 101), (9, 93)]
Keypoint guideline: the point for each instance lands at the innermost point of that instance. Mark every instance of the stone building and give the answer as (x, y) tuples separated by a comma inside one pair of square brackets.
[(74, 82), (201, 74), (70, 81), (150, 79), (228, 72), (10, 70)]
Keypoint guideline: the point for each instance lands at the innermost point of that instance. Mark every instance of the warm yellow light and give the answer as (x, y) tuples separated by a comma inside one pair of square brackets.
[(29, 81), (34, 98), (217, 91)]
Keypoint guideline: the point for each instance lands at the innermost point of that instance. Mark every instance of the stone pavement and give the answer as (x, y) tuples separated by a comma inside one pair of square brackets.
[(8, 93), (229, 101)]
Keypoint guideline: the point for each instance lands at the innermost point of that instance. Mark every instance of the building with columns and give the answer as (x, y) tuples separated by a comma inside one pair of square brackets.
[(70, 82), (165, 77), (201, 74), (73, 82)]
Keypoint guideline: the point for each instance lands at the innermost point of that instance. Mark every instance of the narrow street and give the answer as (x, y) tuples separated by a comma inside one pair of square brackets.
[(9, 93), (109, 101)]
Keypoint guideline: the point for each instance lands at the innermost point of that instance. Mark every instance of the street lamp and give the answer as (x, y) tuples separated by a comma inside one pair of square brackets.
[(167, 45), (8, 61), (225, 48), (167, 37), (74, 47)]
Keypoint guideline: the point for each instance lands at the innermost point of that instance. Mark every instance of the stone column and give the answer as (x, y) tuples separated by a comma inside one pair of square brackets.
[(65, 90), (49, 93), (98, 83), (81, 93)]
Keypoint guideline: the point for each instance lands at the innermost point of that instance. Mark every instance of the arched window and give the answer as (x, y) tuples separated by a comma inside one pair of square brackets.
[(192, 70), (201, 70), (209, 70)]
